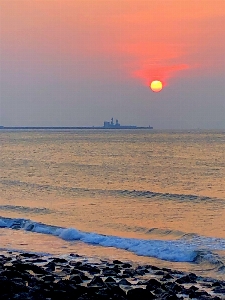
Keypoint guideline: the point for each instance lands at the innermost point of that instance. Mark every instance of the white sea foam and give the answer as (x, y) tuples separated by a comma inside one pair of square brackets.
[(180, 250), (2, 223), (70, 234)]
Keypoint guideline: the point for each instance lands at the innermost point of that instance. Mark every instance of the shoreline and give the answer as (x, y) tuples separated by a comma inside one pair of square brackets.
[(30, 276)]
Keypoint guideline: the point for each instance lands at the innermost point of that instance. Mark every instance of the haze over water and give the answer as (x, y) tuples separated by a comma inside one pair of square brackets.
[(145, 196)]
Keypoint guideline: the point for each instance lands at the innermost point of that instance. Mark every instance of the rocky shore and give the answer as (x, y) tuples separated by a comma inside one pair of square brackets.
[(29, 276)]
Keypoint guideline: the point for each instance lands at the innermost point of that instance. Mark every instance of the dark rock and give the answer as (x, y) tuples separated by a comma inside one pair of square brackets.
[(159, 291), (117, 268), (153, 267), (159, 272), (219, 290), (85, 297), (66, 269), (126, 265), (76, 279), (110, 279), (172, 286), (169, 296), (109, 272), (13, 273), (96, 281), (32, 282), (193, 288), (116, 290), (117, 262), (139, 293), (193, 276), (29, 255), (48, 277), (84, 277), (50, 266), (217, 283), (140, 268), (93, 289), (110, 285), (18, 280), (18, 287), (89, 268), (187, 279), (92, 297), (68, 287), (75, 263), (37, 260), (140, 272), (31, 267), (79, 273), (59, 260), (26, 280), (104, 294), (207, 285), (176, 272), (167, 270), (5, 287), (58, 294), (117, 297), (152, 284), (198, 294), (77, 290), (124, 282), (22, 296), (74, 255), (3, 278), (4, 258), (167, 276), (128, 273)]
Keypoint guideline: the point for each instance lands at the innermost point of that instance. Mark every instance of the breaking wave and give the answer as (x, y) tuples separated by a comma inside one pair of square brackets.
[(179, 250)]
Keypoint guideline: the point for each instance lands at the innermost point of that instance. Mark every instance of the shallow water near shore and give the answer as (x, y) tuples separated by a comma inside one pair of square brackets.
[(143, 196)]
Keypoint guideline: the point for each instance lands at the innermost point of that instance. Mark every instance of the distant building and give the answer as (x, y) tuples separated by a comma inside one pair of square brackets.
[(111, 124)]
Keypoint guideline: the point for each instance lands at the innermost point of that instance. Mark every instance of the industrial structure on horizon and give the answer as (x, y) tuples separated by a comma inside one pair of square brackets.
[(112, 125), (107, 125)]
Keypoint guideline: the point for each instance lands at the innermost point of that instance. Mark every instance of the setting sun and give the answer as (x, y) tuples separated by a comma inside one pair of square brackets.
[(156, 86)]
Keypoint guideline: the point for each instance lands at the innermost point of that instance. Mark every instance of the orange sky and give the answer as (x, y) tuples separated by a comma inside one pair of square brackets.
[(134, 40), (156, 38)]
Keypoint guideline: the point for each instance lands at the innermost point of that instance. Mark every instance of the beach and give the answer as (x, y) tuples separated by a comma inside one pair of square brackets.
[(31, 276)]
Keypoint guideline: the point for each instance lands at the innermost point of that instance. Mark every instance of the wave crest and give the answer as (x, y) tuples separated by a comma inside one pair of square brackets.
[(179, 250)]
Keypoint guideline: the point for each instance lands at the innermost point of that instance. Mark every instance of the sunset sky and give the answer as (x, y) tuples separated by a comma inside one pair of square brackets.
[(80, 62)]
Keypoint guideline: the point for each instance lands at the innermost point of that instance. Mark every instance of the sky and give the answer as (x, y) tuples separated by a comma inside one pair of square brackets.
[(81, 62)]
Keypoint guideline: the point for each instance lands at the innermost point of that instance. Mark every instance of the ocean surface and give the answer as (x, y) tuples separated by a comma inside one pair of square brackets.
[(144, 196)]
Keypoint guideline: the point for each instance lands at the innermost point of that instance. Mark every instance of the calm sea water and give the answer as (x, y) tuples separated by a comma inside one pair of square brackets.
[(143, 196)]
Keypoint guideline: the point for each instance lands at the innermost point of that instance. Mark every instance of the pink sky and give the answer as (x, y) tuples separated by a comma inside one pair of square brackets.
[(133, 41)]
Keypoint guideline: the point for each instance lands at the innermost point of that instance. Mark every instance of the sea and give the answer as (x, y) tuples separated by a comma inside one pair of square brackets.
[(143, 196)]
